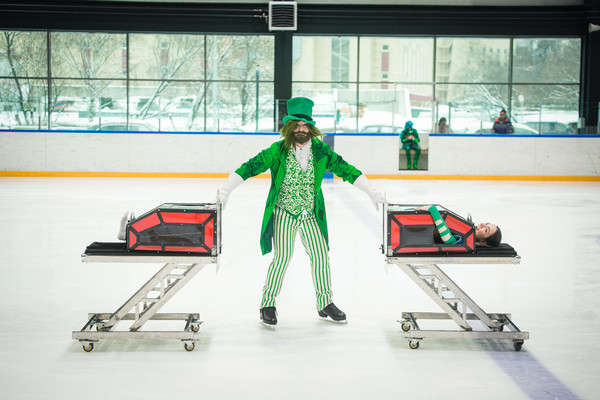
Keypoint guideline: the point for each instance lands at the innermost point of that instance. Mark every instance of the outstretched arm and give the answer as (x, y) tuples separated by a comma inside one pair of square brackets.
[(256, 165), (375, 195), (232, 182)]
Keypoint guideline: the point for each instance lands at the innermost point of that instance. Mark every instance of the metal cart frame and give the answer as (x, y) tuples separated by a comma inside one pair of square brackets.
[(147, 301), (425, 271), (455, 303), (178, 270)]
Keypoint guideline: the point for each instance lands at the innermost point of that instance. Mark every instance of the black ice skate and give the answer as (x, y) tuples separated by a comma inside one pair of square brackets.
[(268, 315), (333, 312)]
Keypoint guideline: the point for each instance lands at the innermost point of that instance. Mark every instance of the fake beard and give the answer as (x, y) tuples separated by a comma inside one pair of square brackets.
[(301, 137)]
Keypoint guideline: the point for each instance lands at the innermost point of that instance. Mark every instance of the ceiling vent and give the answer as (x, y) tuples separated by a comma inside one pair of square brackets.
[(283, 16)]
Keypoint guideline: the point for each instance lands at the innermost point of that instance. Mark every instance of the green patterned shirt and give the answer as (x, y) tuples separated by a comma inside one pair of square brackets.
[(274, 158), (297, 192)]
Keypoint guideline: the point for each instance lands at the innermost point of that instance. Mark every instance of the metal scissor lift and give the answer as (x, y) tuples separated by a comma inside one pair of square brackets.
[(144, 304), (455, 303), (409, 243), (184, 237)]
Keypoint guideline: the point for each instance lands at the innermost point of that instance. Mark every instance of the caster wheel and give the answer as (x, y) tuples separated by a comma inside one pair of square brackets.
[(406, 326), (99, 327), (518, 345), (189, 347), (195, 328), (413, 345), (89, 347)]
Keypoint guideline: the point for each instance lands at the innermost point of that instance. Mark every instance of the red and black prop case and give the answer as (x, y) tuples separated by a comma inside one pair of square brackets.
[(175, 227), (412, 232)]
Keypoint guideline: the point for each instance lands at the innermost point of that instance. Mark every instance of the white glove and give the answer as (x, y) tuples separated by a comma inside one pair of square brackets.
[(376, 196), (232, 182)]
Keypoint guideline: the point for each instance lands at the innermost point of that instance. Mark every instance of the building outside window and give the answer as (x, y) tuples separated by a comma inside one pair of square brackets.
[(220, 83), (466, 80), (325, 70)]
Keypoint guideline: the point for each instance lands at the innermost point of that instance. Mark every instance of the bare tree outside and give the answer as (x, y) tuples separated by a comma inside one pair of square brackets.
[(94, 58), (23, 59), (172, 57), (237, 66), (538, 62)]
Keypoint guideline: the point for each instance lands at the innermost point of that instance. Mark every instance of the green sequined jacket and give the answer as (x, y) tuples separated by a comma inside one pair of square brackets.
[(275, 158)]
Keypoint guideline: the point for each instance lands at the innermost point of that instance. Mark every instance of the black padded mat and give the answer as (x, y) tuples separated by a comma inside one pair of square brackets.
[(504, 250), (120, 249)]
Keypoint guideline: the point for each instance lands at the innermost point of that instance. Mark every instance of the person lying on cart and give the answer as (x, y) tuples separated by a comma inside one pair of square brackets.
[(486, 234), (295, 204)]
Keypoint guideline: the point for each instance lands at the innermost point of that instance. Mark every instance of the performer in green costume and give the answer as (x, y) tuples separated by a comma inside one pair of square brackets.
[(410, 141), (295, 204)]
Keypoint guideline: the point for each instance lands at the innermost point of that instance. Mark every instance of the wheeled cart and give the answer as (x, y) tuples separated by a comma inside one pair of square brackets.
[(180, 266), (423, 267)]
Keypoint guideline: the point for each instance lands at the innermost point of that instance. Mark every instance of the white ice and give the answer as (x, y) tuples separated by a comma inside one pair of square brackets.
[(47, 292)]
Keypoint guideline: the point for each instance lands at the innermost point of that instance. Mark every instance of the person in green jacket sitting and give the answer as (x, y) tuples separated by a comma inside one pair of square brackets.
[(295, 204), (410, 141)]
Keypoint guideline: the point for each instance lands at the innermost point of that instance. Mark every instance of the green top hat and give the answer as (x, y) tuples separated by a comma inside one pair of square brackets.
[(299, 109)]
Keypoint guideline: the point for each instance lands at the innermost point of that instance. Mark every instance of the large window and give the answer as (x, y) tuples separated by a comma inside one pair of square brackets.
[(466, 80), (545, 94), (136, 82), (23, 91), (196, 82)]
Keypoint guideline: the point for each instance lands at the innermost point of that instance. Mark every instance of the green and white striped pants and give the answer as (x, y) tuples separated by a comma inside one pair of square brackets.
[(285, 228)]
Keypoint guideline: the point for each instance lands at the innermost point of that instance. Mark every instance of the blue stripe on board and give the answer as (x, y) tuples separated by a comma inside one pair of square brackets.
[(143, 132), (277, 133)]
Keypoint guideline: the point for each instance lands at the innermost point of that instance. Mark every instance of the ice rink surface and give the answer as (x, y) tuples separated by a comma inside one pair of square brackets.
[(47, 292)]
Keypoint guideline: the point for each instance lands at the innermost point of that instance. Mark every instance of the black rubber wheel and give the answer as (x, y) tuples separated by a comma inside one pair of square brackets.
[(89, 347), (406, 326), (413, 345), (518, 345), (189, 347)]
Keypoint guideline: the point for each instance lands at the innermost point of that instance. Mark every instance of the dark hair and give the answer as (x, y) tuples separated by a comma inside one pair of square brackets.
[(287, 132), (503, 110), (495, 239)]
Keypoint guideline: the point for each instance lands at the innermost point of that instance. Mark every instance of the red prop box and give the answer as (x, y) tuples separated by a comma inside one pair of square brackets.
[(176, 227), (412, 232)]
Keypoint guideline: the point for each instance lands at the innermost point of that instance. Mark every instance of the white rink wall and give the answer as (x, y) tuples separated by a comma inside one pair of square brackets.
[(481, 155), (220, 153)]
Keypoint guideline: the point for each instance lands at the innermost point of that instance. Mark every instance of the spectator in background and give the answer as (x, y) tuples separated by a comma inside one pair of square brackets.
[(573, 129), (442, 127), (503, 124), (410, 141)]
